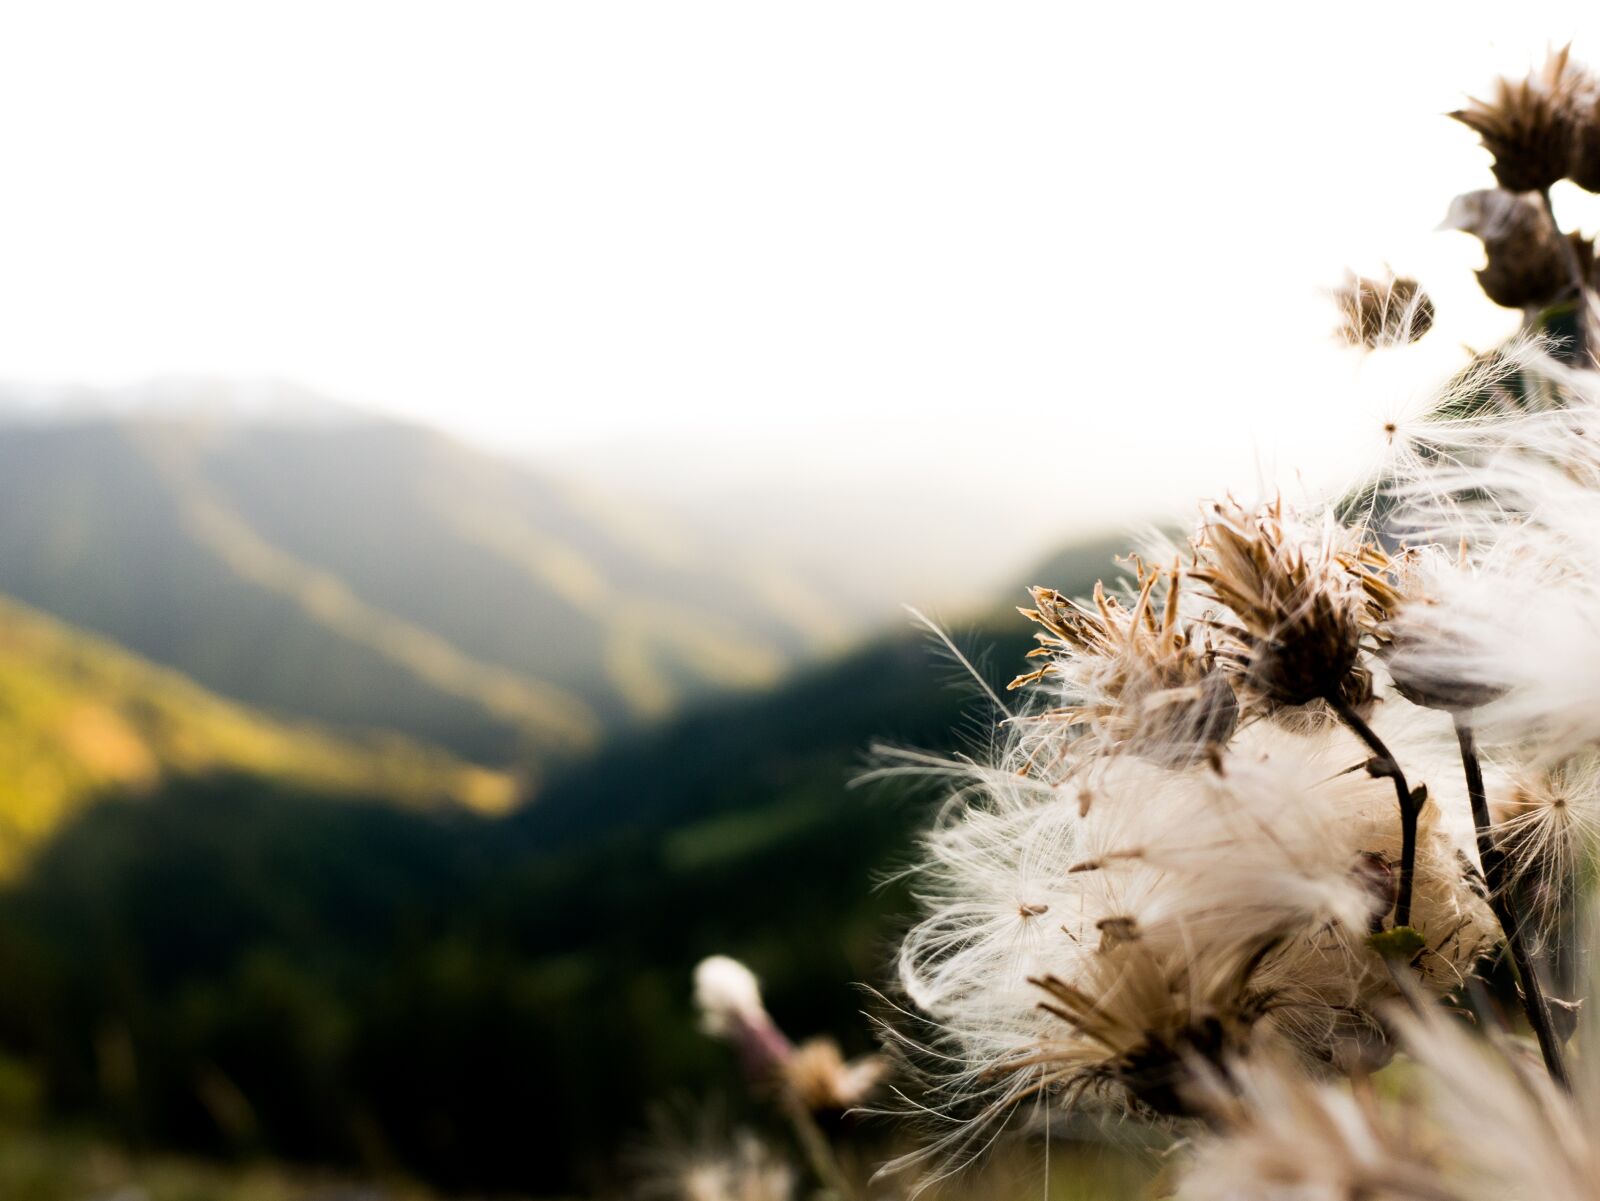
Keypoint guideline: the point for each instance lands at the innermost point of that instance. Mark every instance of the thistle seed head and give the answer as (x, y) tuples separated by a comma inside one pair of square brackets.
[(1158, 1026), (1295, 632), (1422, 614), (1530, 125)]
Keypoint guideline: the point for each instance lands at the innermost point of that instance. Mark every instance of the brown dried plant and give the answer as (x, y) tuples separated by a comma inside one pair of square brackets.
[(1391, 311), (1530, 125), (1140, 678)]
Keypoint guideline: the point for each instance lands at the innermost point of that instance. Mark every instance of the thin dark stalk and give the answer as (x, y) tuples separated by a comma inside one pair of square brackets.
[(1534, 1003), (818, 1150), (1580, 336), (1385, 764)]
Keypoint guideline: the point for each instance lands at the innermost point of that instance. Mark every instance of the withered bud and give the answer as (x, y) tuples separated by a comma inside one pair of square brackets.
[(1530, 125), (1528, 262), (1374, 313)]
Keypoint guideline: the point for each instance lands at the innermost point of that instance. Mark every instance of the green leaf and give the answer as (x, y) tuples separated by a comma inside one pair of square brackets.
[(1400, 943)]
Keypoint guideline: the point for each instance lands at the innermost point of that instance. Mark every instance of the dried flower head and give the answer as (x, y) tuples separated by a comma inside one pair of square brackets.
[(1374, 313), (1467, 1122), (1529, 125), (819, 1076), (694, 1156), (1136, 910), (1295, 633), (1153, 1024), (1528, 262), (1521, 613), (1134, 678)]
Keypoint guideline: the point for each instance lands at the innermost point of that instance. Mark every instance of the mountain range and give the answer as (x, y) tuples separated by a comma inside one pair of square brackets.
[(371, 575), (270, 877)]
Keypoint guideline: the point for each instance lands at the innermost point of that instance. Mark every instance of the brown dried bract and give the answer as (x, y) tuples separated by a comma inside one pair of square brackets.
[(819, 1076), (1145, 679)]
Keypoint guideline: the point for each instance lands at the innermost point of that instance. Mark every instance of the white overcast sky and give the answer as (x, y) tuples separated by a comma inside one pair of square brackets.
[(1063, 252)]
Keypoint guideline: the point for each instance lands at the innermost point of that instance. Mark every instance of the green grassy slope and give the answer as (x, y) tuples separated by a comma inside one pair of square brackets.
[(80, 717)]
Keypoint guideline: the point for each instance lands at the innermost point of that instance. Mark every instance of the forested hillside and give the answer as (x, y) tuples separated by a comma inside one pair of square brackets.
[(236, 964)]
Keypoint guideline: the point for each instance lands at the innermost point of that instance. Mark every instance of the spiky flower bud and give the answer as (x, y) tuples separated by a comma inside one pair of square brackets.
[(1375, 313), (1530, 125)]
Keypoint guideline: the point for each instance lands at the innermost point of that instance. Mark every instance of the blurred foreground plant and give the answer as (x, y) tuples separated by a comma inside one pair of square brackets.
[(803, 1081)]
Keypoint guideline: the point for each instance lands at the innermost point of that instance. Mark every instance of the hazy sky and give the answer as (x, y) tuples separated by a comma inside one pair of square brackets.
[(1066, 254)]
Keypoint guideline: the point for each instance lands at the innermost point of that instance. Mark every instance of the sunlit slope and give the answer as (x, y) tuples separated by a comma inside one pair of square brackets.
[(79, 716), (377, 575)]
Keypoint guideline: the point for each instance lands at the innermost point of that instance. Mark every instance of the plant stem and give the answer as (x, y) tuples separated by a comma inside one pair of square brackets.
[(1385, 764), (817, 1148), (1534, 1002), (1580, 336)]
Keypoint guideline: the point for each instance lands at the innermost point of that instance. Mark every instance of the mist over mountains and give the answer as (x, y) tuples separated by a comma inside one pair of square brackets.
[(370, 574)]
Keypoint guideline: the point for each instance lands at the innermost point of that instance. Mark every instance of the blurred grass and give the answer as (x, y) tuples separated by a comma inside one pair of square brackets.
[(64, 1166)]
